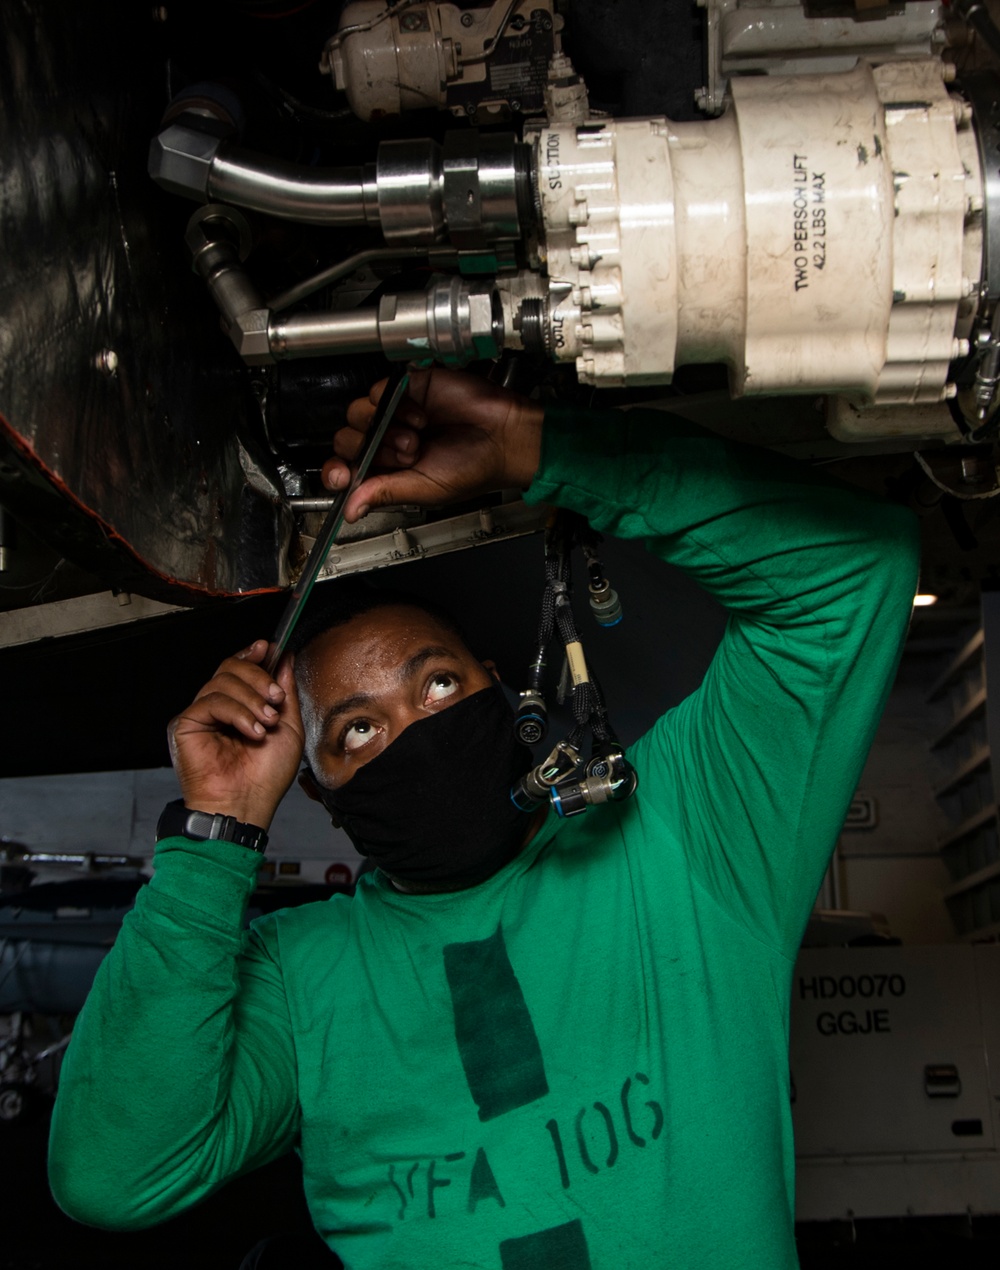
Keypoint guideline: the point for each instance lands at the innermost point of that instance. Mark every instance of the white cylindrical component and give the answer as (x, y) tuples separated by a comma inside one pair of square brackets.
[(819, 236), (819, 212), (711, 241), (607, 201), (936, 243)]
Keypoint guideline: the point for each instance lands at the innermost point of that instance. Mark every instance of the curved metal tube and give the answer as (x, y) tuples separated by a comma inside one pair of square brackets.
[(319, 334), (474, 189), (313, 196), (301, 290)]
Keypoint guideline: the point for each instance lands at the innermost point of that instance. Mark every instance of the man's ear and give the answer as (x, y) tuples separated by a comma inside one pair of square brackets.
[(490, 665), (308, 783)]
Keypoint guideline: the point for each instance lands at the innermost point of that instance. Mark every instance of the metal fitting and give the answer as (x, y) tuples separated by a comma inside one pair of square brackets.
[(408, 179), (605, 604), (532, 721), (251, 337), (465, 322), (219, 239), (181, 157), (535, 787), (533, 320), (473, 190), (213, 224), (609, 778), (454, 321), (486, 192)]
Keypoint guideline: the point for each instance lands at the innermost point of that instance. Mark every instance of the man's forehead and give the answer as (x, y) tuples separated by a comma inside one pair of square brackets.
[(383, 639)]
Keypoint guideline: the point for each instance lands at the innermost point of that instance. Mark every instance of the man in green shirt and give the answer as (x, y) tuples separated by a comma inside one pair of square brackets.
[(520, 1045)]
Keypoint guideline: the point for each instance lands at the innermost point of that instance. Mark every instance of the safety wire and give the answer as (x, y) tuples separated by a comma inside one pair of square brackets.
[(392, 9), (359, 28)]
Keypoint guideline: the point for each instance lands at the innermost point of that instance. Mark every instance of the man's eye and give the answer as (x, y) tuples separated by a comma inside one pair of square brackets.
[(440, 686), (359, 733)]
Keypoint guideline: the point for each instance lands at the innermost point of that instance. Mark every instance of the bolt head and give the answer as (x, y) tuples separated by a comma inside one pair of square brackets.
[(467, 19), (180, 159), (482, 325), (249, 334)]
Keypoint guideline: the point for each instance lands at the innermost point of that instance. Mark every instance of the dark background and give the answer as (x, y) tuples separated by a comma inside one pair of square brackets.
[(101, 702)]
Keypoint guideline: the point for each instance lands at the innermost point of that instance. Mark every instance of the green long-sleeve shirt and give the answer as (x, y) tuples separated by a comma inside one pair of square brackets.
[(582, 1062)]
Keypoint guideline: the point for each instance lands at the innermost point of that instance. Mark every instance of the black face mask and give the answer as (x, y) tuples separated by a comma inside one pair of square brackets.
[(434, 807)]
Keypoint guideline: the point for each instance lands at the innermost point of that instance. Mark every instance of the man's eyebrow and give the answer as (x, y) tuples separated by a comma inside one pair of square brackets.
[(420, 658), (357, 702), (410, 667)]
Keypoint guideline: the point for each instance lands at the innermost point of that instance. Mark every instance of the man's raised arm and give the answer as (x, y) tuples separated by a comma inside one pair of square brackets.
[(757, 767), (181, 1070), (754, 772)]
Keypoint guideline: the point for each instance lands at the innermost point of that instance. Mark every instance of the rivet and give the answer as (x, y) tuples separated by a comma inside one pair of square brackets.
[(106, 362)]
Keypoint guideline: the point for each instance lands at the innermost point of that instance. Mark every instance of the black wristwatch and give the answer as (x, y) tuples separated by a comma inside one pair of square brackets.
[(178, 821)]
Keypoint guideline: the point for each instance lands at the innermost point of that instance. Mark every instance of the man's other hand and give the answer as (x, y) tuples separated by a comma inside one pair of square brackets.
[(238, 745), (454, 436)]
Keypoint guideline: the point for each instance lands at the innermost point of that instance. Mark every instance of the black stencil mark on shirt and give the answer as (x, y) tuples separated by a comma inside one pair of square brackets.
[(558, 1248), (654, 1107), (483, 1184), (581, 1141), (399, 1191), (434, 1184), (553, 1128), (493, 1030)]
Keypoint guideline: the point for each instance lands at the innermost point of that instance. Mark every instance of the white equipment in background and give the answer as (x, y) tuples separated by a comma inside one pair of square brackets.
[(895, 1065)]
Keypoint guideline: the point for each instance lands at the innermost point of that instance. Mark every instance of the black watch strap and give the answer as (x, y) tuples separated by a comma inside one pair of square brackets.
[(178, 821)]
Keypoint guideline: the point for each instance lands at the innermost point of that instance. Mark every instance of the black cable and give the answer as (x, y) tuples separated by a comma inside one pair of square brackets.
[(589, 711)]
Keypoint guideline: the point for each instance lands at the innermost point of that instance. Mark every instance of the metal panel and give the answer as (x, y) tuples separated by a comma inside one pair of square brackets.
[(870, 1141), (832, 1190), (865, 1024)]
